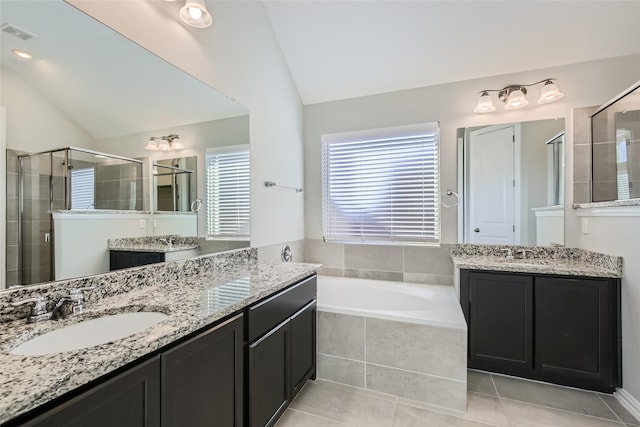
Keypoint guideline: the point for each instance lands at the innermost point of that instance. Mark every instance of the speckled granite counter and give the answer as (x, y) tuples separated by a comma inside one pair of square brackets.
[(193, 293), (539, 260), (153, 243)]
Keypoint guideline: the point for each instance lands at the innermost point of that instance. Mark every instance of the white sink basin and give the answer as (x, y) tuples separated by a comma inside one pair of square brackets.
[(89, 333)]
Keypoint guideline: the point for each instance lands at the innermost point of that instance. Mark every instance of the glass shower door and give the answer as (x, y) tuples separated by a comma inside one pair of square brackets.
[(42, 181), (35, 220)]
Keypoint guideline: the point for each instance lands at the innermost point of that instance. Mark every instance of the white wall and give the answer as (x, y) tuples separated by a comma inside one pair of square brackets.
[(33, 123), (81, 245), (535, 178), (240, 57)]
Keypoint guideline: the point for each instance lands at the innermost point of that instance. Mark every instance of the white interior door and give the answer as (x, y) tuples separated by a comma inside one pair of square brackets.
[(491, 185)]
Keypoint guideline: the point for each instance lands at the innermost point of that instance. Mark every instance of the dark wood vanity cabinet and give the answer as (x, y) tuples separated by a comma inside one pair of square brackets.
[(244, 370), (281, 351), (195, 383), (130, 399), (127, 259), (564, 330), (501, 312), (202, 379)]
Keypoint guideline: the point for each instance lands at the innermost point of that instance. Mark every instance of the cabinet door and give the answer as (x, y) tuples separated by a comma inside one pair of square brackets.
[(131, 399), (121, 259), (202, 379), (303, 347), (575, 331), (269, 391), (500, 322), (146, 258)]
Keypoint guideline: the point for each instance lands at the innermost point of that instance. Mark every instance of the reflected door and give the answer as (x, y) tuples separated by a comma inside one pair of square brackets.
[(491, 186)]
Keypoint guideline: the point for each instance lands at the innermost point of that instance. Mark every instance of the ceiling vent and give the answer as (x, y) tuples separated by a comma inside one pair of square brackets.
[(17, 32)]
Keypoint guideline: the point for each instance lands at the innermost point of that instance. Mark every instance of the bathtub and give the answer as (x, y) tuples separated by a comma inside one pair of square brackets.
[(402, 339), (423, 304)]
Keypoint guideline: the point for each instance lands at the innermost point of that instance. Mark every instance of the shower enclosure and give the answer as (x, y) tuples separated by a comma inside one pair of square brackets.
[(67, 179), (174, 184)]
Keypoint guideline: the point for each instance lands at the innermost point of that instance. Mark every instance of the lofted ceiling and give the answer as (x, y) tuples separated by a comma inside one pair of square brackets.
[(105, 83), (352, 48)]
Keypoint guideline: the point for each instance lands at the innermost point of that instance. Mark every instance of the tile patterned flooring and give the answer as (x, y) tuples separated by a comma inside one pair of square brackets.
[(493, 400)]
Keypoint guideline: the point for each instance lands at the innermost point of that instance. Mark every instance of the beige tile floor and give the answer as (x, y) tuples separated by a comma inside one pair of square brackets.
[(493, 400)]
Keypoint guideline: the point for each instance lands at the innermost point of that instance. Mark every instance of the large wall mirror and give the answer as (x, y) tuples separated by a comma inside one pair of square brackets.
[(511, 183), (79, 115)]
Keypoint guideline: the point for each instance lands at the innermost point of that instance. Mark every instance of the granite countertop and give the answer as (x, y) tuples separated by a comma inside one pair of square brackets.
[(190, 302), (539, 260), (156, 247), (153, 243)]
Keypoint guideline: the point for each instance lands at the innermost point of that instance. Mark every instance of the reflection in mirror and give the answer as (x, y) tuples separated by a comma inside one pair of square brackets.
[(616, 149), (98, 92), (174, 182), (512, 183)]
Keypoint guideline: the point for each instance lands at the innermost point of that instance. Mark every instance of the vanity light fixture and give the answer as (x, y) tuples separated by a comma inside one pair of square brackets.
[(195, 14), (22, 54), (514, 96), (164, 143)]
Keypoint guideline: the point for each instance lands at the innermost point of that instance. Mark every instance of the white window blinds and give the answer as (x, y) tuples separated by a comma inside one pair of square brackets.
[(228, 203), (83, 188), (381, 186)]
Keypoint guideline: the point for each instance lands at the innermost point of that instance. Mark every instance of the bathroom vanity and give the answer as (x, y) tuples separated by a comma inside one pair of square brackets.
[(139, 251), (236, 347), (552, 318)]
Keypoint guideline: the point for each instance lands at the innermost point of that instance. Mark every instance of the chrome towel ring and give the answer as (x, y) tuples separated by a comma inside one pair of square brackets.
[(450, 193)]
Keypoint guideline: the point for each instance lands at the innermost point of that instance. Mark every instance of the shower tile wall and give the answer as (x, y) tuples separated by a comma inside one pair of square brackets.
[(582, 154), (415, 264), (604, 168), (118, 187), (12, 218), (36, 224)]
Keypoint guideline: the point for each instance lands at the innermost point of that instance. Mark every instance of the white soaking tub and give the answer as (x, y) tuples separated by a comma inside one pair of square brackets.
[(402, 339)]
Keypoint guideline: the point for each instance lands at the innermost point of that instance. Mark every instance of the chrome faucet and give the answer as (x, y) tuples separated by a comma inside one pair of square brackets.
[(169, 241), (38, 309), (71, 304), (523, 252), (509, 252)]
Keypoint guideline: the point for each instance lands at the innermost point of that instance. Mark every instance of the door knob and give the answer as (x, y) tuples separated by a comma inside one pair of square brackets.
[(476, 230)]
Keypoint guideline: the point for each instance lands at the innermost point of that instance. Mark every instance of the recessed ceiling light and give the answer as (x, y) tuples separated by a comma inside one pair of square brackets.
[(22, 54)]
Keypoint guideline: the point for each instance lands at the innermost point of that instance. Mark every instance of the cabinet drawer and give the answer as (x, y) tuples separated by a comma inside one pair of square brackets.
[(267, 314)]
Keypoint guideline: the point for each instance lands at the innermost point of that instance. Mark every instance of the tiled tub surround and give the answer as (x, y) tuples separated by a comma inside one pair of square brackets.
[(419, 355), (543, 260), (414, 264), (153, 243), (185, 290)]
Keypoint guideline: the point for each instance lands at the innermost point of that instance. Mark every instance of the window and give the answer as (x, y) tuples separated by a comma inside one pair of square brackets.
[(227, 203), (83, 188), (381, 186)]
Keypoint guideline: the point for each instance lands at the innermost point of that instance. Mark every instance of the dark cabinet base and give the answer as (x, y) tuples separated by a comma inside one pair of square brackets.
[(131, 399), (282, 357), (127, 259), (563, 330)]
